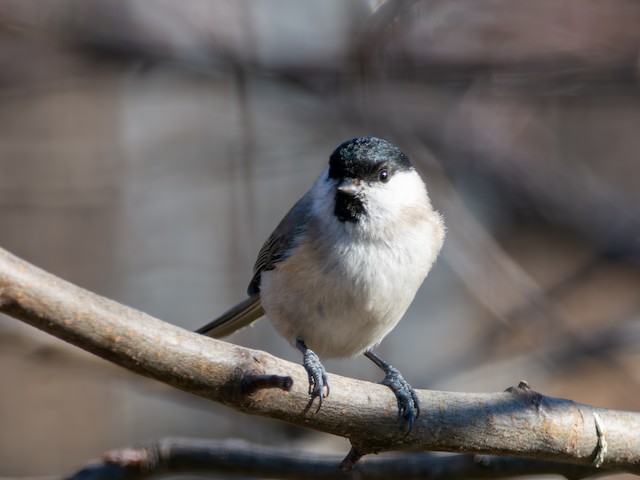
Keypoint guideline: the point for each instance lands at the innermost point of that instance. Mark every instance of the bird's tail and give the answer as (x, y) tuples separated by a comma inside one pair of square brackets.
[(237, 317)]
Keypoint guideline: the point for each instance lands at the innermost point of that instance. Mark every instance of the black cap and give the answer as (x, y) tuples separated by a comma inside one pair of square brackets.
[(361, 157)]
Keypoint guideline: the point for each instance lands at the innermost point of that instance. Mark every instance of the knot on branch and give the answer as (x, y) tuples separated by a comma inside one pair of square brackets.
[(252, 382), (524, 391), (250, 377)]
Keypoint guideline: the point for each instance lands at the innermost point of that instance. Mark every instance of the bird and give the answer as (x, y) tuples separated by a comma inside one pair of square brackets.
[(340, 270)]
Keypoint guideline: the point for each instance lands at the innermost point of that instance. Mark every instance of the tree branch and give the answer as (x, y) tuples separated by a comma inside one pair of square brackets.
[(518, 422), (181, 456)]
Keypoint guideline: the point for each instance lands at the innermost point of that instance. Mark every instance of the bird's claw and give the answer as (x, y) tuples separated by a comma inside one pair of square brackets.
[(318, 379), (408, 402)]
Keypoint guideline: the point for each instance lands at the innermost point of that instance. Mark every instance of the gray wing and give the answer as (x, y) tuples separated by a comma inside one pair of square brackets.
[(277, 247), (281, 242)]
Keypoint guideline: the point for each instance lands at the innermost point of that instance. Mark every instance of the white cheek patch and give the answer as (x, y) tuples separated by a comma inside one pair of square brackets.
[(404, 190)]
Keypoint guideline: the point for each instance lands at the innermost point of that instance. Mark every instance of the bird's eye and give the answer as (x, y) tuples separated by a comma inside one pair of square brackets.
[(383, 175)]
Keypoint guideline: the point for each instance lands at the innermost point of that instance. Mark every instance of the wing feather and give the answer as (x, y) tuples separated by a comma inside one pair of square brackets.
[(281, 242), (278, 246)]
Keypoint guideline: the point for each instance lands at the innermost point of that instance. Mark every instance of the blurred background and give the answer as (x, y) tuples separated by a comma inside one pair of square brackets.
[(147, 149)]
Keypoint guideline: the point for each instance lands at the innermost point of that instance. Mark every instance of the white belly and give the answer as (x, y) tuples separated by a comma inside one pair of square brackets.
[(349, 304)]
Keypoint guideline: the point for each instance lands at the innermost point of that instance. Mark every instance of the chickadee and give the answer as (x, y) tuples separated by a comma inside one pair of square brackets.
[(340, 270)]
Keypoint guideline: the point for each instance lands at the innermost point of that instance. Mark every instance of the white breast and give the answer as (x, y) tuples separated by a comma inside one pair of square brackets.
[(348, 284)]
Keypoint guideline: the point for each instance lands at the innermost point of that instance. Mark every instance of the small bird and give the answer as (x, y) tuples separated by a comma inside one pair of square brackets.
[(344, 264)]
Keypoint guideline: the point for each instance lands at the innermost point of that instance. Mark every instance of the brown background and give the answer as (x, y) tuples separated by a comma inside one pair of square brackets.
[(148, 148)]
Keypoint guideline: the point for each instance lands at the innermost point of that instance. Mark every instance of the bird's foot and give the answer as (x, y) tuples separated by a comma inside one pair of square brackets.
[(408, 401), (318, 379)]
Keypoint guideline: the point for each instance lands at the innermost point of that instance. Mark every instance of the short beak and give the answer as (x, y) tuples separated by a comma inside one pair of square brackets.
[(349, 187)]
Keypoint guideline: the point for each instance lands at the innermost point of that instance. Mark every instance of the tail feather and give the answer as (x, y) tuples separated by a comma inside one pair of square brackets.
[(237, 317)]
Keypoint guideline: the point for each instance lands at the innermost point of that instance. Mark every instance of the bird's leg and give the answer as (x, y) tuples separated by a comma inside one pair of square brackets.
[(408, 402), (318, 379)]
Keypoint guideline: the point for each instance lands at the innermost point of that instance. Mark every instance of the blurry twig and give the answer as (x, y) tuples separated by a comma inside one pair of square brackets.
[(180, 456)]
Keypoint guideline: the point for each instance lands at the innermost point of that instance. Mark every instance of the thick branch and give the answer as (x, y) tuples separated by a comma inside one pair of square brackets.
[(518, 422)]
